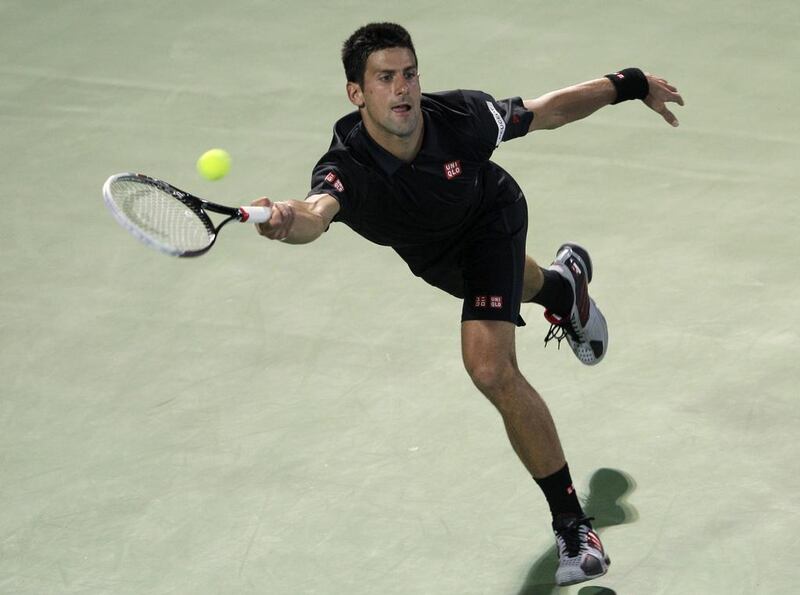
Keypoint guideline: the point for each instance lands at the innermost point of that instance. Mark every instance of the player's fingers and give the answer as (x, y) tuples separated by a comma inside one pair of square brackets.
[(266, 228), (669, 117), (286, 220), (261, 202), (677, 98), (281, 221), (263, 229)]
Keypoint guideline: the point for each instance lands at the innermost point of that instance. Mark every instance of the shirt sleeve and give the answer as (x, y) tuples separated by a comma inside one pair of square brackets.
[(328, 178), (497, 120)]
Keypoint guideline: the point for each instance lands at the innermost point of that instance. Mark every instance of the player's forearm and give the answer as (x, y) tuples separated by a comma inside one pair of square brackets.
[(570, 104)]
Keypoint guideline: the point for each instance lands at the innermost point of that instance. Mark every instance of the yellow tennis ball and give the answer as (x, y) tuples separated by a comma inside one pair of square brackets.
[(214, 164)]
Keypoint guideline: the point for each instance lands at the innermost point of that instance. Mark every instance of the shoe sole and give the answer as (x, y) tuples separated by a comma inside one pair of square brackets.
[(595, 359), (580, 253), (586, 578)]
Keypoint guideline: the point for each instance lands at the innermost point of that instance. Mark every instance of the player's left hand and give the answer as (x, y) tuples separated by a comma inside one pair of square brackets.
[(661, 93)]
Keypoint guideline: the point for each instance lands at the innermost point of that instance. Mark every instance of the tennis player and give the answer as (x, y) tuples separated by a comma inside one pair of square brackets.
[(413, 171)]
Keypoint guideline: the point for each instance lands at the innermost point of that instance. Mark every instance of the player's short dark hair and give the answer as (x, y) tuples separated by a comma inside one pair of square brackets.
[(368, 39)]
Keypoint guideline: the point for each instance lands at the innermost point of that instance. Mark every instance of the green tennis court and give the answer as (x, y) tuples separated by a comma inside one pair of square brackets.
[(296, 419)]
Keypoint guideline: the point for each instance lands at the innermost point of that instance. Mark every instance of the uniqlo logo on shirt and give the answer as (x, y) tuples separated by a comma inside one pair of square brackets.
[(496, 301), (334, 181), (480, 301), (452, 169)]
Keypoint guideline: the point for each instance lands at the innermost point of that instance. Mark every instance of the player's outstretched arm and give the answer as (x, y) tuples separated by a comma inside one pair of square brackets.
[(295, 221), (557, 108)]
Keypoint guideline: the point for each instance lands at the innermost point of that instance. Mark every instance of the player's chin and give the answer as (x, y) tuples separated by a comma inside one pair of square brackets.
[(405, 123)]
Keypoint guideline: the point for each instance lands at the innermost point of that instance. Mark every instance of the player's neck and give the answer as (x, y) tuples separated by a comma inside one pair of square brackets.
[(405, 148)]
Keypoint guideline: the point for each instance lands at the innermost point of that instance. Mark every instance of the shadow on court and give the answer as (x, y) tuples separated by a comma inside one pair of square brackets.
[(608, 489)]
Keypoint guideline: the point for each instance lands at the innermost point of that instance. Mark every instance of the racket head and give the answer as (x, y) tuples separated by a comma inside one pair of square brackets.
[(159, 215)]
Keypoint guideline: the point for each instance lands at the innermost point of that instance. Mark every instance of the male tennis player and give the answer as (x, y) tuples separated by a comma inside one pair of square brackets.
[(412, 171)]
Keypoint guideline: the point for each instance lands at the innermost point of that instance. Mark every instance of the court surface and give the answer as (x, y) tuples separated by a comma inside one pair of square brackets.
[(296, 420)]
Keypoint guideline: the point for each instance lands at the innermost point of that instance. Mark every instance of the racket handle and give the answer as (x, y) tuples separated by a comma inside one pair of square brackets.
[(255, 214)]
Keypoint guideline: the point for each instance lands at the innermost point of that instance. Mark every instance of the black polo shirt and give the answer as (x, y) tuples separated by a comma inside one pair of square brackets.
[(449, 184)]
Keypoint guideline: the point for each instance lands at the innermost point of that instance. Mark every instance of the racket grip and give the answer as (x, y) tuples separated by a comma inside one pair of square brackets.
[(255, 214)]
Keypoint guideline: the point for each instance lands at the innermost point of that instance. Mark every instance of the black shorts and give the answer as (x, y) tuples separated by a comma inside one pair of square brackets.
[(486, 266)]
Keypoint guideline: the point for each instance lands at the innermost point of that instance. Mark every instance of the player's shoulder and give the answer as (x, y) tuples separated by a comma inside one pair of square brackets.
[(341, 151), (456, 102)]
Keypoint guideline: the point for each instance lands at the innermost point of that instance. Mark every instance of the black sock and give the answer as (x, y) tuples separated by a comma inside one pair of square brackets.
[(556, 293), (560, 493)]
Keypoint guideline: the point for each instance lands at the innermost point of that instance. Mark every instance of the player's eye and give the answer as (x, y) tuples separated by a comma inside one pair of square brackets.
[(410, 75)]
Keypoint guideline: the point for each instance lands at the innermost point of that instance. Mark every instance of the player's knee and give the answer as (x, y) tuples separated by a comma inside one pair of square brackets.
[(493, 378)]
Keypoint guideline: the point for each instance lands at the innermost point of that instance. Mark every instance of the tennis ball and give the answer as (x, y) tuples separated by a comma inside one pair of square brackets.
[(214, 164)]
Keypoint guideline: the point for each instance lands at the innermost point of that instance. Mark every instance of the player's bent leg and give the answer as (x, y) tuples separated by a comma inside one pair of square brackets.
[(489, 356)]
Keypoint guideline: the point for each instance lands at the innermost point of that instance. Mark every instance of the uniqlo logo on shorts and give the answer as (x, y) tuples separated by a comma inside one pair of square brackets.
[(452, 169), (334, 181), (489, 301)]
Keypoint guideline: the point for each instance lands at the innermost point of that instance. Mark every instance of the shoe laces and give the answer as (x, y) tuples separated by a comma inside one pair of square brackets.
[(571, 535), (559, 329), (556, 332)]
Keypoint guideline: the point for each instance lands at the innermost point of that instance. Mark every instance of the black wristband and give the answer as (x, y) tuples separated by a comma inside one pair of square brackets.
[(630, 83)]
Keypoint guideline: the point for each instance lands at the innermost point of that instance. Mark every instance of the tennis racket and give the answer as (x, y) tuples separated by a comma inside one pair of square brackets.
[(167, 219)]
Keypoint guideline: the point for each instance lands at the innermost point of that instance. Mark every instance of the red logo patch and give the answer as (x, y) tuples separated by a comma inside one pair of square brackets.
[(489, 301), (334, 181), (594, 541), (452, 169)]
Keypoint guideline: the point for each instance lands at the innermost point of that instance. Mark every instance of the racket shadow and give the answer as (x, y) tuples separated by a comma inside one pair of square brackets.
[(608, 489)]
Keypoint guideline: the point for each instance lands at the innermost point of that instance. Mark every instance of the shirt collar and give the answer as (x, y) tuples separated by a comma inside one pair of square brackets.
[(385, 160)]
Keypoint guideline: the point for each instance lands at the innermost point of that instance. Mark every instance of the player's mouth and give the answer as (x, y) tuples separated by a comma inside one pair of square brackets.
[(402, 108)]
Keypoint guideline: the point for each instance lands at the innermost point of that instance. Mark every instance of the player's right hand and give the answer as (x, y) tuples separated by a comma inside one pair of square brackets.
[(280, 223)]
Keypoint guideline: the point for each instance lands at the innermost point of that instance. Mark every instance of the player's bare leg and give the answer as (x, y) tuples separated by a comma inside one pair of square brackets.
[(489, 354), (562, 289)]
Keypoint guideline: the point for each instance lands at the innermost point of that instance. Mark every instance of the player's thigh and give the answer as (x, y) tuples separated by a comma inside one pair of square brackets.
[(494, 263)]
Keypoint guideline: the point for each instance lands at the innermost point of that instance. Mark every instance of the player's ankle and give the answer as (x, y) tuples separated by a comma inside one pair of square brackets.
[(556, 293), (560, 493)]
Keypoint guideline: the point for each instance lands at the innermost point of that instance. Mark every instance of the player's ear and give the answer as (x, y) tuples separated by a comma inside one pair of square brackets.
[(355, 94)]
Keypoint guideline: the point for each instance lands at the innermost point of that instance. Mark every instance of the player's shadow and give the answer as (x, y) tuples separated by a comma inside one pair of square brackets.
[(608, 489)]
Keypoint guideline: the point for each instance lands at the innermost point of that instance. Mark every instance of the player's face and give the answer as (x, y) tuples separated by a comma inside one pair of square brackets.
[(391, 94)]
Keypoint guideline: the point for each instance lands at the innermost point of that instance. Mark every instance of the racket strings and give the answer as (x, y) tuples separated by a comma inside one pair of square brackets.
[(162, 217)]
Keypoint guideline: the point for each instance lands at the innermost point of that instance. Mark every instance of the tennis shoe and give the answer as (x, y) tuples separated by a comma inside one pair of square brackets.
[(581, 556), (584, 327)]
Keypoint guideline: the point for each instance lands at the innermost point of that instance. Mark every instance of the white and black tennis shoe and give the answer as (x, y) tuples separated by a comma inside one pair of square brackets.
[(581, 556), (585, 327)]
